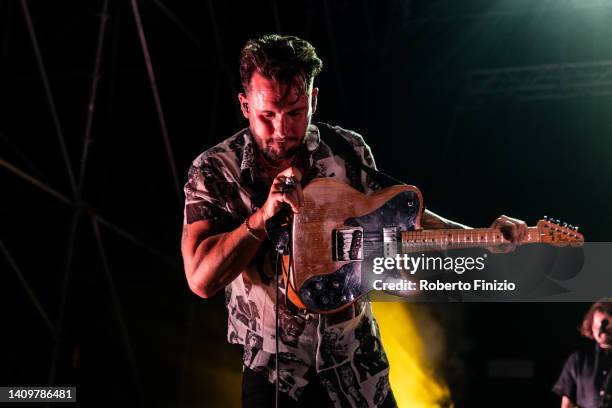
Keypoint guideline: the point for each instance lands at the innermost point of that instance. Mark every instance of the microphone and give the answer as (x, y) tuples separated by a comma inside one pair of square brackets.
[(603, 326)]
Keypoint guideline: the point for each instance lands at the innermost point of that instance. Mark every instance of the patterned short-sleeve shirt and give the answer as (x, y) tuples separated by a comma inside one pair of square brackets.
[(344, 349)]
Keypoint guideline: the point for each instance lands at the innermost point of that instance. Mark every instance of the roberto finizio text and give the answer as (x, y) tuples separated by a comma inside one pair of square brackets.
[(477, 284)]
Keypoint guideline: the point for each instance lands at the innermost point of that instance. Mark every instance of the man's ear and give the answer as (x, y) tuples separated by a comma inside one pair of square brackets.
[(244, 104), (313, 103)]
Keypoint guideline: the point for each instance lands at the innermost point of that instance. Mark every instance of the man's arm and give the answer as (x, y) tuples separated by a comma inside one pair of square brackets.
[(213, 259), (566, 385), (431, 220), (513, 229), (566, 402)]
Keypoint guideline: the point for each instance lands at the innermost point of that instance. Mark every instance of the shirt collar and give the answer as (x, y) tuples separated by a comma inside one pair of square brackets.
[(312, 138)]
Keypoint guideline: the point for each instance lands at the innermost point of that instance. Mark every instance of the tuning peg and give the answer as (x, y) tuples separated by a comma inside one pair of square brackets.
[(565, 224), (546, 218), (576, 228), (558, 221), (570, 226)]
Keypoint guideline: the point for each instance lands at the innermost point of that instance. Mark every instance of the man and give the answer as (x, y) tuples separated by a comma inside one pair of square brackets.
[(234, 188), (586, 380)]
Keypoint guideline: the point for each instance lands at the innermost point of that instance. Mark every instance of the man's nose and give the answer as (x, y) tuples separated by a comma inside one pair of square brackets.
[(281, 126)]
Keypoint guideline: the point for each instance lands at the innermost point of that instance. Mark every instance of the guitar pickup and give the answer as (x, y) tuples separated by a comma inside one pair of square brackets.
[(389, 242), (347, 244)]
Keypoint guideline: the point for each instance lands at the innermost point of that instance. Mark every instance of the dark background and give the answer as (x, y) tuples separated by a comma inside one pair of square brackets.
[(92, 288)]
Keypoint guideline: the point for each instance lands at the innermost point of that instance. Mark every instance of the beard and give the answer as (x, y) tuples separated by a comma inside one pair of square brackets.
[(273, 153)]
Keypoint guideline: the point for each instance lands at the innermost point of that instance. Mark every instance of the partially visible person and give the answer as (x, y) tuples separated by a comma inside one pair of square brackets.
[(586, 380)]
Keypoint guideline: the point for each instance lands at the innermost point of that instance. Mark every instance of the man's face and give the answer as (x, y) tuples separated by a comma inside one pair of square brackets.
[(278, 116), (605, 339)]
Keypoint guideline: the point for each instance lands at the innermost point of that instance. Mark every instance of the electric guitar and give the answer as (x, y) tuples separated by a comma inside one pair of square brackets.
[(339, 229)]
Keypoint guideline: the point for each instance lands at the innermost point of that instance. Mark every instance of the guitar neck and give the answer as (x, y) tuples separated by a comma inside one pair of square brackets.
[(427, 240)]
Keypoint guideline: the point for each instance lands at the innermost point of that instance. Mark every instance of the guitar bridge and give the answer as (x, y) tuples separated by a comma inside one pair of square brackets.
[(347, 244)]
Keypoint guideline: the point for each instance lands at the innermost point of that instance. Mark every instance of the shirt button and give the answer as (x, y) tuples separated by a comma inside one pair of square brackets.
[(602, 393), (605, 372)]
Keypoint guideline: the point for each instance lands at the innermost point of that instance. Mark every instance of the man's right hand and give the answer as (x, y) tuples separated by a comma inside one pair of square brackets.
[(279, 195)]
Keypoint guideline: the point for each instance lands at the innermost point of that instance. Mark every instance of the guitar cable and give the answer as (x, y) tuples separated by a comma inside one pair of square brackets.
[(287, 281)]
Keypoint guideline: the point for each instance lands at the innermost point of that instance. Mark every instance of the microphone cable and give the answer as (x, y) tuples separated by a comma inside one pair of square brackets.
[(277, 330), (277, 313)]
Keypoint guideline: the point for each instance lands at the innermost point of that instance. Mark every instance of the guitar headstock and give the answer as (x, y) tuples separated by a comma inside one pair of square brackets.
[(555, 232)]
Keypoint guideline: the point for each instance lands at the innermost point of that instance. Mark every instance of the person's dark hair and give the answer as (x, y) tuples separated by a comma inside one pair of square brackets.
[(586, 328), (286, 59)]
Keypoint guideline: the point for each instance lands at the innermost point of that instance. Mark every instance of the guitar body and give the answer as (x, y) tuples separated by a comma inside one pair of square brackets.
[(339, 230)]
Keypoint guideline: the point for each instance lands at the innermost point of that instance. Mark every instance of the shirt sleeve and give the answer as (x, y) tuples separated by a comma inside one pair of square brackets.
[(203, 201), (566, 384)]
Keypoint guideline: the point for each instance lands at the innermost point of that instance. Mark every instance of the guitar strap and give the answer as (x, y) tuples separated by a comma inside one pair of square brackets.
[(343, 148)]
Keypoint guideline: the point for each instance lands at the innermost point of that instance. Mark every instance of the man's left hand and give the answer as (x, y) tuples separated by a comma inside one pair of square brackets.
[(513, 230)]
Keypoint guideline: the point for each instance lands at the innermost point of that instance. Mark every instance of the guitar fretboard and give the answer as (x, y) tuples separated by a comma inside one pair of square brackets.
[(413, 241)]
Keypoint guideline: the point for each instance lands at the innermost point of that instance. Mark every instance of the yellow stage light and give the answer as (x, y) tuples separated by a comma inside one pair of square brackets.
[(412, 376)]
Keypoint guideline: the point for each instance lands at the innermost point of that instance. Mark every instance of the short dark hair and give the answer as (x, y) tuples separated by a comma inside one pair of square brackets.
[(284, 58), (586, 328)]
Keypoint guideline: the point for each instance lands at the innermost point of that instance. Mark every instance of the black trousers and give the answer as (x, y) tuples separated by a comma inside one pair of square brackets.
[(258, 392)]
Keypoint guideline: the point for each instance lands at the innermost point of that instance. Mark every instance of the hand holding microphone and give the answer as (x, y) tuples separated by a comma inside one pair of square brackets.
[(286, 190)]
